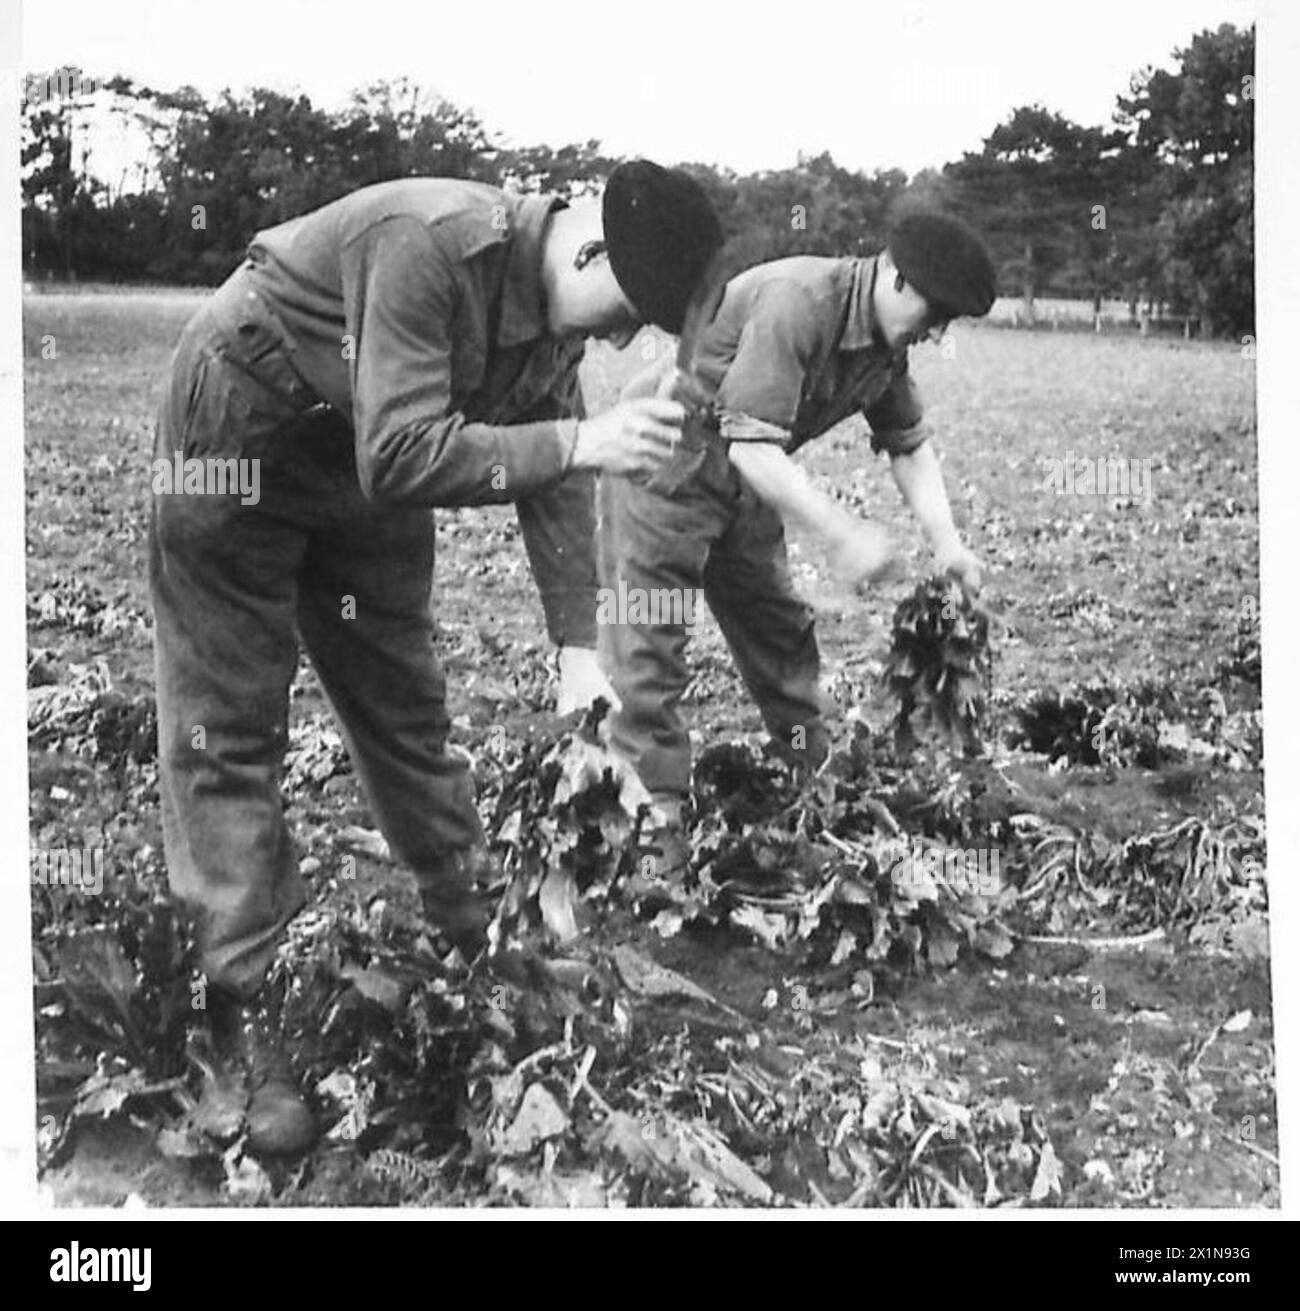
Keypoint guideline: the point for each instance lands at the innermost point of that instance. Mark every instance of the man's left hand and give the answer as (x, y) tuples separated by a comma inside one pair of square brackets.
[(581, 681), (963, 565)]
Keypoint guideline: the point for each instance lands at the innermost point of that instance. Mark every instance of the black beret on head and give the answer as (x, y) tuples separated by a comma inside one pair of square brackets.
[(661, 232), (946, 261)]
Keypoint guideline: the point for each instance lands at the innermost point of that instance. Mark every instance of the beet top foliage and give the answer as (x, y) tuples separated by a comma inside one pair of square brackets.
[(940, 666)]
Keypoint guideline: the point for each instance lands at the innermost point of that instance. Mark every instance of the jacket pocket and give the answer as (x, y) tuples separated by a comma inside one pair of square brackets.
[(259, 354), (229, 412), (251, 393)]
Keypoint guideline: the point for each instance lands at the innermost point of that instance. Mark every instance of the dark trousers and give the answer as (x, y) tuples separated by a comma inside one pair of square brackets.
[(698, 527), (235, 586)]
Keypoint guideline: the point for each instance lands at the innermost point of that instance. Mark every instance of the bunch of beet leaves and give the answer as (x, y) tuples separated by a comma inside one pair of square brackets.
[(939, 667)]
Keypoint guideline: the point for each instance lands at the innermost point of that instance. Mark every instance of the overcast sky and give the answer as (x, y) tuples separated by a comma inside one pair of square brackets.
[(908, 84)]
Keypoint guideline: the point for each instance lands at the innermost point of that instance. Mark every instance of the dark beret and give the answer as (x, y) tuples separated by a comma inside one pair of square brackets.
[(946, 261), (661, 232)]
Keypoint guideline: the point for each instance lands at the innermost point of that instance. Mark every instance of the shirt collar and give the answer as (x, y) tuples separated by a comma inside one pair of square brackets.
[(860, 322), (860, 327), (523, 306)]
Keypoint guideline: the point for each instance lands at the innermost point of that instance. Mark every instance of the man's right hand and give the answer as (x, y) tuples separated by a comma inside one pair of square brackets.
[(864, 556), (633, 437)]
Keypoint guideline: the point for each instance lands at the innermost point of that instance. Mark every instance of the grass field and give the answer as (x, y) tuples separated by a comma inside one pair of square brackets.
[(1000, 408), (1092, 590)]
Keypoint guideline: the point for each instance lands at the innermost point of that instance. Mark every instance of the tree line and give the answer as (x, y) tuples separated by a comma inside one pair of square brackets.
[(1156, 208)]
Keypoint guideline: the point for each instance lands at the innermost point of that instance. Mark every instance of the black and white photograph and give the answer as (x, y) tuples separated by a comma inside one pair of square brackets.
[(647, 609)]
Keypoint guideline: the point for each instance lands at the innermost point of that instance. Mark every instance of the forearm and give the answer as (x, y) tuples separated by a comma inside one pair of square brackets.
[(920, 480), (783, 485), (448, 461)]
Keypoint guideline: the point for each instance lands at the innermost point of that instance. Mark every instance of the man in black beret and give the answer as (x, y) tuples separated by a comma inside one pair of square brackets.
[(794, 347), (411, 345)]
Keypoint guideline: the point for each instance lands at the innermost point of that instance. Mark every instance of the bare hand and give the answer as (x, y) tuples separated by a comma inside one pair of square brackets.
[(864, 557), (633, 437), (963, 565), (581, 681)]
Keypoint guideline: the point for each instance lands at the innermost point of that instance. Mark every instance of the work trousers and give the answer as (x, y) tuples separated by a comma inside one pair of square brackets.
[(237, 582), (695, 529)]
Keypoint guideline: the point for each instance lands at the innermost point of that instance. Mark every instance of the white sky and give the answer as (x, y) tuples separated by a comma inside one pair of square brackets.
[(908, 84)]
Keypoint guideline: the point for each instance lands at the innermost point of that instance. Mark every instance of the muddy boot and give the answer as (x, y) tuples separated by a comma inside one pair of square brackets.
[(455, 901), (250, 1049)]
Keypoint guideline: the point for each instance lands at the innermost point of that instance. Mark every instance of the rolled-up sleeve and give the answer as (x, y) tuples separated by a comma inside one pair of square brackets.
[(400, 301), (896, 417)]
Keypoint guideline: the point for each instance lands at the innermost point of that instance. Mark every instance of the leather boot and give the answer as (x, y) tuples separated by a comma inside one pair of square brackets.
[(249, 1049)]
